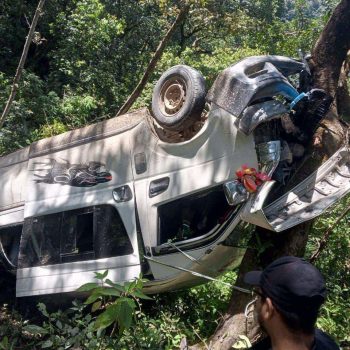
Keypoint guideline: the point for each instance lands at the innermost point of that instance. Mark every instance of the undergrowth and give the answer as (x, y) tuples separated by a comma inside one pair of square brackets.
[(162, 322)]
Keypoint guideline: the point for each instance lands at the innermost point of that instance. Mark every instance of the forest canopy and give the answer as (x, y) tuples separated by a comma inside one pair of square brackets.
[(88, 55)]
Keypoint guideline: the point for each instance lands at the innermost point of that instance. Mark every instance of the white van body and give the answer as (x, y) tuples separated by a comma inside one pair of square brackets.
[(114, 196), (206, 161)]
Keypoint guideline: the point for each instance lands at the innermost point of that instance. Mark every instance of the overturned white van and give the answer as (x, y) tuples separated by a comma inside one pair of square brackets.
[(115, 196)]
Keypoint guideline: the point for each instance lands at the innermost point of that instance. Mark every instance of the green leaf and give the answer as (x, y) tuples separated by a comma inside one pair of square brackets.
[(125, 311), (92, 298), (110, 291), (101, 276), (115, 285), (129, 301), (69, 343), (42, 309), (96, 306), (130, 286), (34, 329), (140, 295), (87, 287), (46, 344), (107, 317), (4, 344), (139, 283), (74, 331)]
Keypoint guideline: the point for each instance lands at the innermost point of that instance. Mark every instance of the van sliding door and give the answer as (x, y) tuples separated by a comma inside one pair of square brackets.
[(61, 251)]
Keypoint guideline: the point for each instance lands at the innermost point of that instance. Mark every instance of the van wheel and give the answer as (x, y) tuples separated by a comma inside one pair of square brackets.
[(178, 98)]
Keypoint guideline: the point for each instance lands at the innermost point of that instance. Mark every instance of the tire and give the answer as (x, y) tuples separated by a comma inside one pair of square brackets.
[(188, 87)]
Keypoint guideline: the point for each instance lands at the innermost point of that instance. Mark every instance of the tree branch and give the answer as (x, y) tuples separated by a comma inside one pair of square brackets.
[(152, 64), (22, 61)]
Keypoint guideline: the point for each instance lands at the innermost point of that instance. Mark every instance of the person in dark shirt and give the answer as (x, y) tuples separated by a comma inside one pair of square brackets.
[(290, 292)]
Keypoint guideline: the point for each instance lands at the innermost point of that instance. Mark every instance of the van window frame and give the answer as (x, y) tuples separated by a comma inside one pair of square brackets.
[(4, 256), (198, 241), (29, 251)]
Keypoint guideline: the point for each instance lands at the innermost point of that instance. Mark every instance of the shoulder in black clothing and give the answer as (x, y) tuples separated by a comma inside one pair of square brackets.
[(264, 344), (324, 342)]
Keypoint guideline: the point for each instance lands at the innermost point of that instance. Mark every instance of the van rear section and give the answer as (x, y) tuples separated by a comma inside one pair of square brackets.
[(67, 210), (13, 182), (113, 196)]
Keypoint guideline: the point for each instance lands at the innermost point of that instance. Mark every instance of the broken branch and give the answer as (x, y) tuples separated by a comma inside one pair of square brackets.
[(22, 61), (152, 64)]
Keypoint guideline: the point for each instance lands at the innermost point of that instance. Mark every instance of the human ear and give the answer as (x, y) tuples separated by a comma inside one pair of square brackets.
[(267, 309)]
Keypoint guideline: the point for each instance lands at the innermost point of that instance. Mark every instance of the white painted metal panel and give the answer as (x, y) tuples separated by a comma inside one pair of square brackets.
[(13, 181), (307, 200), (67, 277), (212, 264), (43, 197), (70, 276), (209, 159), (12, 216)]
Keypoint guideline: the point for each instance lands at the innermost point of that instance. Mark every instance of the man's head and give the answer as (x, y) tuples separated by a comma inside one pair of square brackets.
[(290, 288)]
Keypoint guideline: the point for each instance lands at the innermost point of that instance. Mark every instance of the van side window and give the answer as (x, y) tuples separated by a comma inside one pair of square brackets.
[(9, 244), (45, 235), (193, 216), (77, 235), (107, 244)]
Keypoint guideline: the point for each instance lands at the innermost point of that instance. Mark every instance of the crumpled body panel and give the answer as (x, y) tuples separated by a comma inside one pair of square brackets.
[(307, 200), (252, 79)]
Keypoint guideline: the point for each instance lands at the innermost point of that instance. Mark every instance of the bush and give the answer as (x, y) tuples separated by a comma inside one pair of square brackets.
[(334, 263)]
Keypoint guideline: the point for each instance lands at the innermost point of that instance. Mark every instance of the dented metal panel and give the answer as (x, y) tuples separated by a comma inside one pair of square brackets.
[(307, 200), (252, 79), (260, 113)]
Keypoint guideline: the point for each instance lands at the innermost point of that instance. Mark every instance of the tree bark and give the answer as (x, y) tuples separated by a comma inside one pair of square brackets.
[(328, 56), (155, 58), (343, 95), (331, 49), (22, 61)]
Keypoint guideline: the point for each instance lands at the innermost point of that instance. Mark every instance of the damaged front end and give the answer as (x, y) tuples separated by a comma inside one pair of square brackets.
[(309, 199), (269, 99)]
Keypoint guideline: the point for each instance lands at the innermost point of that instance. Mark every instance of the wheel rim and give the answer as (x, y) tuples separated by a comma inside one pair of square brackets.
[(172, 96)]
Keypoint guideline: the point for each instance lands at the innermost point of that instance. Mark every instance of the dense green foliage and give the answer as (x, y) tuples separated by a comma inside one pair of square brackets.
[(88, 55), (334, 263), (157, 324), (86, 59)]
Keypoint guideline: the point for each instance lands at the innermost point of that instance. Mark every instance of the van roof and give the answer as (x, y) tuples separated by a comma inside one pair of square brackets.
[(76, 137)]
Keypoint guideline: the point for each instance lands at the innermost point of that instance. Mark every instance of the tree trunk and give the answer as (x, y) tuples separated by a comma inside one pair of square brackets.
[(22, 62), (331, 49), (343, 95), (328, 56), (152, 64)]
